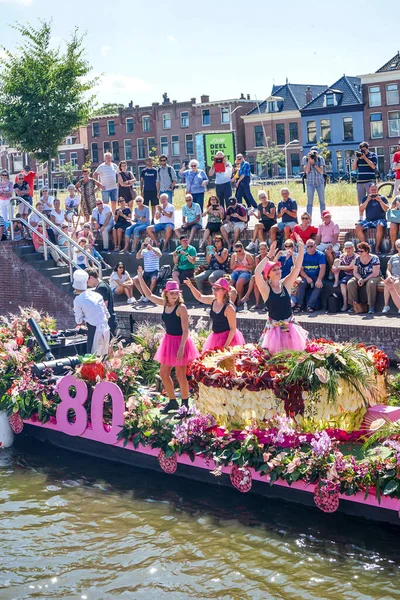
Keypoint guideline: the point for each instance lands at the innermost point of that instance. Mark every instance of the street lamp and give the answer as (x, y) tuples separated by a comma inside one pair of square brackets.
[(285, 147)]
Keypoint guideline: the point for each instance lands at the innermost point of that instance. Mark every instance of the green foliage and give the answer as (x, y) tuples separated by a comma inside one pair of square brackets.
[(323, 149), (271, 155), (68, 170), (109, 108), (43, 91)]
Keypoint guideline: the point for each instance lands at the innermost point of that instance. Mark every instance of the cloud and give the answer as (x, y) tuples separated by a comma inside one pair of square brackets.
[(18, 2), (172, 39), (113, 87), (105, 50)]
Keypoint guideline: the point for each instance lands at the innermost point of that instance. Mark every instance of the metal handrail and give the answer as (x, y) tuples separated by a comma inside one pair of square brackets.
[(44, 219)]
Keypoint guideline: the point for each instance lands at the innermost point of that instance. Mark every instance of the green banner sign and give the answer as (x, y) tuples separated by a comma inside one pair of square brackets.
[(215, 142)]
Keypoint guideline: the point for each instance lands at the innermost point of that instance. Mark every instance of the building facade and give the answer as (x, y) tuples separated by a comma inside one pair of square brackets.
[(168, 128), (380, 92), (277, 119), (335, 116)]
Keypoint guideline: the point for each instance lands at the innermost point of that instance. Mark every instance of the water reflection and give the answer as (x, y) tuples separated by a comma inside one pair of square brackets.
[(75, 527)]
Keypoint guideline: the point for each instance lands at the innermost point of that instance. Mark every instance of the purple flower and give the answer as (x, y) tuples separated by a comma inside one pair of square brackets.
[(321, 444)]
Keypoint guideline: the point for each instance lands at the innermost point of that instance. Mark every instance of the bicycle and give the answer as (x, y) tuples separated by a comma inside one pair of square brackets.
[(386, 189)]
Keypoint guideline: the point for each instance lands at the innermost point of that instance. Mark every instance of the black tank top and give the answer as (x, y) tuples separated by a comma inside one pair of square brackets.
[(278, 305), (172, 322), (219, 321)]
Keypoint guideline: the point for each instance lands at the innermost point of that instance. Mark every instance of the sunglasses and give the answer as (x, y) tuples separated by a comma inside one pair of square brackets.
[(288, 245), (310, 246), (193, 166), (305, 219), (163, 160), (99, 203), (361, 251)]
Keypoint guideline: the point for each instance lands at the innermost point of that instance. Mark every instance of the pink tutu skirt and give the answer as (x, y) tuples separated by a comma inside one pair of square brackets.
[(290, 336), (217, 340), (168, 350)]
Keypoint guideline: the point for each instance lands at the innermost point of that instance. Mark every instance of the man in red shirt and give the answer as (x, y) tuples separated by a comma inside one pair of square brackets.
[(396, 169), (29, 177)]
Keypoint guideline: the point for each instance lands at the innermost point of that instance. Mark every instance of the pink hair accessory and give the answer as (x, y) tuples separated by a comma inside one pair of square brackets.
[(270, 265), (172, 286), (222, 283)]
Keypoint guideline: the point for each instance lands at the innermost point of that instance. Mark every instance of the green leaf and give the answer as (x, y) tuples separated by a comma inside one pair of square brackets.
[(391, 487)]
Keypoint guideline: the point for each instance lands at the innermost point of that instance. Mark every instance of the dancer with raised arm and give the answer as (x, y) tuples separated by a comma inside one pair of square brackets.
[(223, 316), (177, 349), (281, 331)]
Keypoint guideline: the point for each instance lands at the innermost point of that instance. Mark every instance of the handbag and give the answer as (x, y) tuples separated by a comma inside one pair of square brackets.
[(393, 215), (360, 307)]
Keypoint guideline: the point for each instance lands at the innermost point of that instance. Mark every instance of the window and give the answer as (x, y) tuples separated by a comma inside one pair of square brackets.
[(106, 147), (115, 150), (339, 160), (225, 116), (348, 157), (128, 149), (392, 151), (326, 130), (348, 128), (258, 136), (164, 145), (166, 121), (95, 130), (176, 167), (392, 93), (95, 152), (293, 132), (175, 150), (375, 96), (184, 119), (111, 127), (295, 162), (272, 106), (380, 153), (330, 99), (311, 132), (205, 117), (69, 140), (328, 160), (189, 144), (129, 125), (61, 159), (151, 146), (394, 124), (146, 123), (280, 134), (376, 125), (141, 153), (74, 159)]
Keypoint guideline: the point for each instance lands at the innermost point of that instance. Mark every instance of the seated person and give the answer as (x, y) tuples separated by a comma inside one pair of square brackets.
[(217, 259), (266, 213), (287, 211), (57, 215), (151, 259), (312, 273), (19, 229), (34, 219), (80, 259), (215, 215), (342, 270), (287, 257), (363, 285), (166, 221), (47, 200), (393, 275), (184, 259), (121, 283), (305, 230), (191, 218), (140, 223), (72, 203), (102, 221), (38, 244), (375, 207), (62, 240), (394, 229), (86, 232), (22, 189), (327, 239), (122, 220), (262, 253), (236, 220), (242, 267)]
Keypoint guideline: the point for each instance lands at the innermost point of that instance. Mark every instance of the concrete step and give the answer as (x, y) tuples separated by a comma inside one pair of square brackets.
[(23, 250)]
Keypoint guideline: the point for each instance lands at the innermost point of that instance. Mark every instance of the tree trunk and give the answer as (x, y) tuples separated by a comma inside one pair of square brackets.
[(49, 174)]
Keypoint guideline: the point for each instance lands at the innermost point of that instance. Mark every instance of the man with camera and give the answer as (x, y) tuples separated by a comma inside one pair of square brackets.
[(365, 164), (313, 165), (184, 259), (375, 207), (223, 173)]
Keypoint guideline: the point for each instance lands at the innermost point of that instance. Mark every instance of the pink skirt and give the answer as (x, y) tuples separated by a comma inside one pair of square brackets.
[(168, 350), (275, 339), (217, 340)]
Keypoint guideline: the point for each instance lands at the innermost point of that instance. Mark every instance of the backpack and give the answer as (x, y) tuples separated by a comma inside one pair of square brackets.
[(169, 172), (333, 304)]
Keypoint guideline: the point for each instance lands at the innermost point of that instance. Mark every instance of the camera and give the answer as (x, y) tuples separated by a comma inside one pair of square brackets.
[(359, 154), (313, 154)]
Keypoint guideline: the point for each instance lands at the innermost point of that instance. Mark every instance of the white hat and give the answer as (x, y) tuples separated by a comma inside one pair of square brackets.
[(80, 280)]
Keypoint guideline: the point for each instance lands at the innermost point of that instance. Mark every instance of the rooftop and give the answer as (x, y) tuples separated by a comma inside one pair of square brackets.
[(392, 65), (293, 96), (347, 90)]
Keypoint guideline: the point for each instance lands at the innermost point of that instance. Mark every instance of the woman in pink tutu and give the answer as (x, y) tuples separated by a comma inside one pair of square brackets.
[(281, 331), (177, 349), (223, 316)]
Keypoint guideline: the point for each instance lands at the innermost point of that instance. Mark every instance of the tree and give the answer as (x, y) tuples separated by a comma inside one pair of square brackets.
[(43, 92), (271, 155), (67, 170), (109, 108)]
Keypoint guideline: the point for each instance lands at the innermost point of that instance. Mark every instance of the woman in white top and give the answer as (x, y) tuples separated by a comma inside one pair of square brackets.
[(48, 201), (57, 215), (72, 203), (121, 283)]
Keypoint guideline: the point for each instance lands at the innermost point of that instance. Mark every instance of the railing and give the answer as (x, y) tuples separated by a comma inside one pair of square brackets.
[(70, 242)]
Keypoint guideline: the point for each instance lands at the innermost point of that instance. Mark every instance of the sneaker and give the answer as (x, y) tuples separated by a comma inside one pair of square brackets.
[(251, 246), (145, 299), (142, 299), (351, 311), (130, 300), (371, 311), (172, 405), (385, 309)]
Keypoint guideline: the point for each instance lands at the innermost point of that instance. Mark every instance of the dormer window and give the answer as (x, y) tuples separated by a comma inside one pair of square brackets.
[(330, 99), (272, 106)]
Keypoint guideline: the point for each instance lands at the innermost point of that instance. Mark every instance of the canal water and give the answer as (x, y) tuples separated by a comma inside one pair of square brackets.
[(81, 528)]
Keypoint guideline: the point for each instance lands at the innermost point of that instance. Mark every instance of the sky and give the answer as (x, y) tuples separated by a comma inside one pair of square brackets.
[(143, 49)]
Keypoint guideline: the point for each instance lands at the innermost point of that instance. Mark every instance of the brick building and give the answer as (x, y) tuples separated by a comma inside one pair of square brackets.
[(278, 118), (380, 92), (167, 128)]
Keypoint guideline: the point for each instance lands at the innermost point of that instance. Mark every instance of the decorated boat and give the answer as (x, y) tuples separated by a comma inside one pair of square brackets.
[(319, 427)]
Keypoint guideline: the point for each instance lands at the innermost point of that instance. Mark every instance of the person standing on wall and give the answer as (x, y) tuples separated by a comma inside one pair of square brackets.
[(313, 165), (365, 164), (243, 182), (148, 186), (222, 178), (166, 178), (106, 173), (196, 181)]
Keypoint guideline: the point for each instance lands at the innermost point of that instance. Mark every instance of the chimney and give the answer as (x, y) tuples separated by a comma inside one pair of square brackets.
[(131, 104), (308, 94), (248, 96), (204, 99), (242, 96)]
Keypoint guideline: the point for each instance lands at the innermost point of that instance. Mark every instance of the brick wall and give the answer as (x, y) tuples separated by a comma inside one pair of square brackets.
[(22, 285)]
